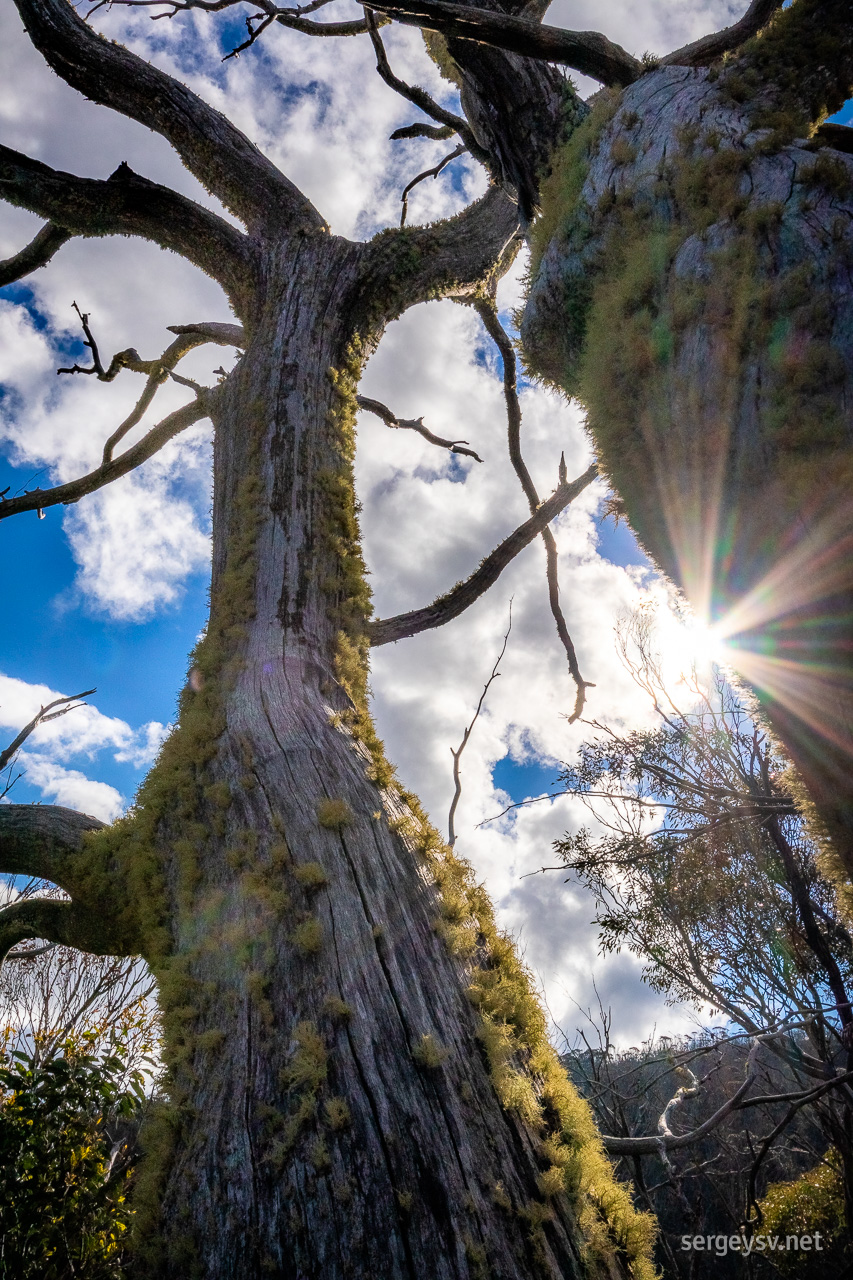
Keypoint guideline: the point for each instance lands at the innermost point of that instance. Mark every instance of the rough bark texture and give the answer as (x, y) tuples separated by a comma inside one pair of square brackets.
[(312, 1141), (693, 287), (334, 1112)]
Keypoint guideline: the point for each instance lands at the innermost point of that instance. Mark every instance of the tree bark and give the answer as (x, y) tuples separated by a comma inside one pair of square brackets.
[(693, 287), (332, 1103)]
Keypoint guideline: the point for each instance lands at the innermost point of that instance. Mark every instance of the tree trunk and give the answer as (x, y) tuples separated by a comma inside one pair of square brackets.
[(334, 1090), (692, 284)]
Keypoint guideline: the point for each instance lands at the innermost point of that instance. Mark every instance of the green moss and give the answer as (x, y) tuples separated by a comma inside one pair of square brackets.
[(334, 814), (308, 1065), (320, 1158), (524, 1067), (626, 326), (307, 937), (310, 874), (428, 1053), (560, 194), (436, 47), (337, 1113), (795, 71), (829, 173), (336, 1008)]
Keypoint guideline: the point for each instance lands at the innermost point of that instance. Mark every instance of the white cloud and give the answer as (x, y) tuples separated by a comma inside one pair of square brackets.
[(148, 740), (82, 732), (70, 787)]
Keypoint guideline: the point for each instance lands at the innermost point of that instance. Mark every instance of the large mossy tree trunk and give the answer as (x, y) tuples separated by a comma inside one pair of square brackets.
[(692, 285), (359, 1081)]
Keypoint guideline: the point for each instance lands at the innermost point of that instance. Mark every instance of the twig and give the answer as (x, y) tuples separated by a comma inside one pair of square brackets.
[(89, 341), (487, 312), (428, 173), (419, 96), (414, 424), (41, 717), (457, 780)]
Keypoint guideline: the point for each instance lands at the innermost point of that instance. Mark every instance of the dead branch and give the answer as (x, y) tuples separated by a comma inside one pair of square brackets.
[(37, 254), (256, 23), (457, 754), (41, 717), (707, 49), (488, 314), (211, 147), (418, 96), (586, 51), (449, 606), (189, 337), (414, 424), (428, 173), (127, 204), (666, 1140), (151, 443), (89, 341), (801, 1100)]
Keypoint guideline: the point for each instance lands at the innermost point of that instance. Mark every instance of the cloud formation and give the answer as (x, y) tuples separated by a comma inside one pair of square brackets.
[(80, 735)]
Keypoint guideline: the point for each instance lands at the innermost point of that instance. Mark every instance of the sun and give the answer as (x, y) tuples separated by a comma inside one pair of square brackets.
[(692, 645)]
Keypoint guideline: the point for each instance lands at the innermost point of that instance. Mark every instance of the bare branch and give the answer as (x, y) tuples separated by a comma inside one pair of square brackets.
[(448, 607), (37, 253), (457, 754), (227, 335), (89, 341), (419, 96), (586, 51), (666, 1140), (256, 23), (127, 204), (707, 49), (211, 147), (357, 27), (428, 173), (42, 716), (488, 314), (189, 337), (414, 424), (151, 443)]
